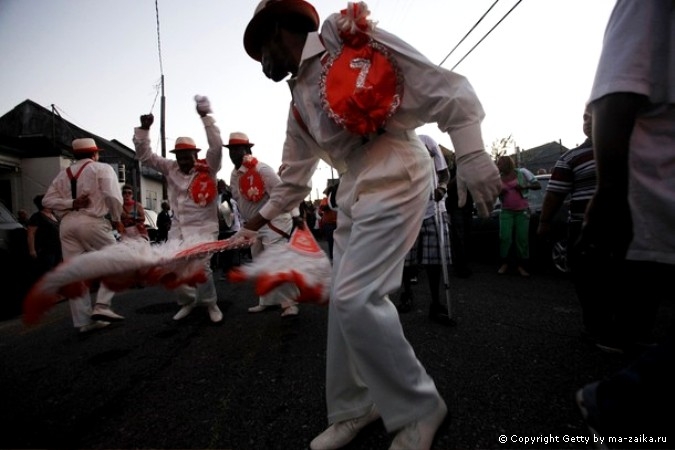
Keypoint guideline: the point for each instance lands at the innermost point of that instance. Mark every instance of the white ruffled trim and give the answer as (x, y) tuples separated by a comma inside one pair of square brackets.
[(348, 23)]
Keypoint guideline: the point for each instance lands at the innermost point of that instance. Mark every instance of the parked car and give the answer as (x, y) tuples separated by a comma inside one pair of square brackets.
[(484, 237), (15, 265)]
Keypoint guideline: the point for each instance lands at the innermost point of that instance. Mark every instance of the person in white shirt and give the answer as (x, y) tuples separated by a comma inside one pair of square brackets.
[(371, 369), (629, 222), (83, 195), (192, 192), (251, 182)]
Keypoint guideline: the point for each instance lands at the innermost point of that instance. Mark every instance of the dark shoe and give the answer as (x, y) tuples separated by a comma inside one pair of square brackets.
[(405, 303), (440, 315)]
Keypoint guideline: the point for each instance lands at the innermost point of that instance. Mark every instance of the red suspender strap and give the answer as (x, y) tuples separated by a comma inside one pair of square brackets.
[(73, 178)]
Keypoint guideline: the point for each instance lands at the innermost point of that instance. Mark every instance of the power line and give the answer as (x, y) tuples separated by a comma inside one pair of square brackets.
[(58, 111), (469, 32), (486, 34)]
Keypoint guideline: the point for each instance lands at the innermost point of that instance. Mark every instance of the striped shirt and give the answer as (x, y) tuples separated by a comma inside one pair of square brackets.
[(574, 174)]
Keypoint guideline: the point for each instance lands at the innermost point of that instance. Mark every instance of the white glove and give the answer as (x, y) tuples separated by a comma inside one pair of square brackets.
[(479, 174), (243, 238), (203, 105)]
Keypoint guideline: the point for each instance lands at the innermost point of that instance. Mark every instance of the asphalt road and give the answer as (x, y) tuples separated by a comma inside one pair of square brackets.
[(510, 367)]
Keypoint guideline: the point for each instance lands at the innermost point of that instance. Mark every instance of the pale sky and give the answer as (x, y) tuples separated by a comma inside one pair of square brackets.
[(98, 62)]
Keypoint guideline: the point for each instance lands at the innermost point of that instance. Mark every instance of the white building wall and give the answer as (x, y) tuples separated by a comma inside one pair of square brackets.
[(36, 176)]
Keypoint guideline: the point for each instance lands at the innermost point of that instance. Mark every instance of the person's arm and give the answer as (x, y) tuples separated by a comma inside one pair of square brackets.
[(57, 200), (443, 181), (614, 117), (553, 201), (301, 162), (436, 95), (140, 213), (214, 155), (608, 227), (531, 181), (144, 153), (109, 187), (30, 233)]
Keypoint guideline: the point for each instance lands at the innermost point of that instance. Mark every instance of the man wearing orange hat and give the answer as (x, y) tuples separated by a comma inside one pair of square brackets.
[(83, 194), (252, 181), (359, 93), (192, 191)]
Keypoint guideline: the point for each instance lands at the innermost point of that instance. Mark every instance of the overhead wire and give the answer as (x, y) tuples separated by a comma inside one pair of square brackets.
[(469, 32), (58, 111), (486, 34)]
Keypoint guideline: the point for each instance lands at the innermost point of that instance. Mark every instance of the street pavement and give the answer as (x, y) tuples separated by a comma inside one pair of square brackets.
[(508, 369)]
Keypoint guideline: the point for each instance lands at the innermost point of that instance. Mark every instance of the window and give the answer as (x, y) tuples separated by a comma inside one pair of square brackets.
[(151, 200)]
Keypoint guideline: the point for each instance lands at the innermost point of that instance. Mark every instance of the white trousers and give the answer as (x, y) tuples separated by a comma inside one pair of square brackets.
[(204, 293), (381, 200), (79, 234)]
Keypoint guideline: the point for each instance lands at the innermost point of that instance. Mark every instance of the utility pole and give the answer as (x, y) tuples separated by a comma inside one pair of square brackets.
[(162, 132)]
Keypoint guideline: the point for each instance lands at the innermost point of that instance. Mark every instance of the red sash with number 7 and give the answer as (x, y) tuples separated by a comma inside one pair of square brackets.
[(361, 85), (251, 184)]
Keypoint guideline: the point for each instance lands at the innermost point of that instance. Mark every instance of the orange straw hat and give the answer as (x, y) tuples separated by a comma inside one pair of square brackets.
[(238, 138), (85, 145), (185, 144), (267, 11)]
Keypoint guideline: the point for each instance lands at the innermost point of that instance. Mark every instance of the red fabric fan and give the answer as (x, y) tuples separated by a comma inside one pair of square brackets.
[(300, 262), (121, 266)]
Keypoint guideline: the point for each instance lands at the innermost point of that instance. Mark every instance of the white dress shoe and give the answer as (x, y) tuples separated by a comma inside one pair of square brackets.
[(257, 309), (419, 434), (214, 313), (290, 311), (184, 311), (96, 325), (104, 313), (340, 434)]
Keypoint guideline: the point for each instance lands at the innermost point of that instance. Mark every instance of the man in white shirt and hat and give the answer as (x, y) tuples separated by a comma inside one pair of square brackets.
[(359, 93), (83, 195), (192, 192), (251, 182)]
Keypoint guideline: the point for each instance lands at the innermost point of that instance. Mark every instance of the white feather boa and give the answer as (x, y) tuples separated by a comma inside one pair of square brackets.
[(131, 262)]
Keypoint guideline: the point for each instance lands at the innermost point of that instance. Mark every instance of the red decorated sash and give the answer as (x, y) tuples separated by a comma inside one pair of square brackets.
[(251, 184), (202, 189), (361, 85)]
